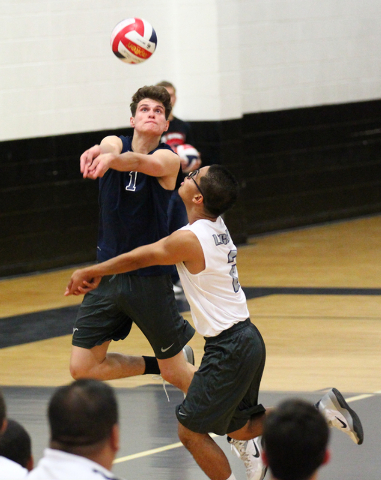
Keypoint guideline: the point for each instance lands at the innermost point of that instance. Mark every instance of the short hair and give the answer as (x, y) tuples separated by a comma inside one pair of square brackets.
[(15, 443), (166, 84), (295, 438), (154, 92), (3, 410), (82, 414), (220, 190)]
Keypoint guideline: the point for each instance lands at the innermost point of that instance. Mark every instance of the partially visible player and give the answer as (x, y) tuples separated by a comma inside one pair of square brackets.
[(223, 395), (136, 178)]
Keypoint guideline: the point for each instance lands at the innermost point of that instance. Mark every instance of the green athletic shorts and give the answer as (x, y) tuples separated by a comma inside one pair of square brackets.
[(223, 394), (107, 313)]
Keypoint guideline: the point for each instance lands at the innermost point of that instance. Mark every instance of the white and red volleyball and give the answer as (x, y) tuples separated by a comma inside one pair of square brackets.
[(189, 157), (133, 40)]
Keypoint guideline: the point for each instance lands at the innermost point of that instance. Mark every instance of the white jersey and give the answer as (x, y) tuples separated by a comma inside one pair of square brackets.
[(215, 296), (58, 465), (10, 470)]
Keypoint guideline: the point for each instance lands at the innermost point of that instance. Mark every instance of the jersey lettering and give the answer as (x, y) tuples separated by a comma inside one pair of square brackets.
[(222, 238), (233, 271), (131, 187)]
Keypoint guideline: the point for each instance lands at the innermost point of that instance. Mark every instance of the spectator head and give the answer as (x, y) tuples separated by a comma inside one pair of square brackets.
[(83, 419), (170, 89), (16, 445), (295, 439)]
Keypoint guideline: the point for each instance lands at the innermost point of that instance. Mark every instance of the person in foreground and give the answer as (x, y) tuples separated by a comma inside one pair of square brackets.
[(16, 445), (84, 433), (223, 395), (137, 176), (295, 441), (9, 469)]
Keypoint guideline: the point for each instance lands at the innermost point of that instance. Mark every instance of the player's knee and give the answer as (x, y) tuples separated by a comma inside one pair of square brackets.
[(184, 435), (171, 376), (78, 371)]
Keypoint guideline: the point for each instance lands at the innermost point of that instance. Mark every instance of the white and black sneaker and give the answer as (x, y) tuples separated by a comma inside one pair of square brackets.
[(249, 451), (339, 415), (188, 354)]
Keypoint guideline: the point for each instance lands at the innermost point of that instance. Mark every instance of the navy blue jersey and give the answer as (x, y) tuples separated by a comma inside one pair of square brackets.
[(133, 212)]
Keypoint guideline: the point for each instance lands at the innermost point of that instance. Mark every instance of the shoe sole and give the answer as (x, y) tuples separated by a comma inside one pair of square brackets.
[(350, 415), (188, 354)]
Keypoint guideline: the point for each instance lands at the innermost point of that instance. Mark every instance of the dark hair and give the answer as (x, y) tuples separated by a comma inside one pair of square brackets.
[(154, 92), (295, 439), (220, 190), (166, 84), (15, 443), (3, 410), (82, 414)]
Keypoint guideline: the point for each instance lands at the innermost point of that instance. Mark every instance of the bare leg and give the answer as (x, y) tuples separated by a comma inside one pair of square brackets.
[(177, 371), (252, 429), (97, 363), (209, 456)]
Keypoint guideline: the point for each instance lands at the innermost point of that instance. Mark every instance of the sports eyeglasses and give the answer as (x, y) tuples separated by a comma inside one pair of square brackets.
[(191, 175)]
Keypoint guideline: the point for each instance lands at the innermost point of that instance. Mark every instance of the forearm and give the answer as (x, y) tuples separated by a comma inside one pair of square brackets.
[(128, 162), (126, 262)]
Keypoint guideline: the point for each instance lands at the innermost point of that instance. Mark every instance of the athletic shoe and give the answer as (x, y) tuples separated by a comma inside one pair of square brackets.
[(177, 288), (339, 415), (188, 354), (250, 453)]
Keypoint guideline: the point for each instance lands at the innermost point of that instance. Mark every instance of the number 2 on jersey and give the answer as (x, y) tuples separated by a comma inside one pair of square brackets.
[(233, 271)]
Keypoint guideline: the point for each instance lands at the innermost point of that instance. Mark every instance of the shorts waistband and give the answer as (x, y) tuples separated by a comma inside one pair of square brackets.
[(235, 328)]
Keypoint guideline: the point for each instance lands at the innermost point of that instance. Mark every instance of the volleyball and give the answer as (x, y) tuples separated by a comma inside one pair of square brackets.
[(189, 157), (133, 40)]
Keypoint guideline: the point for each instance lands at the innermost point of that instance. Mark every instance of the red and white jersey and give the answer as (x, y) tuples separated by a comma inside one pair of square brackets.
[(215, 296)]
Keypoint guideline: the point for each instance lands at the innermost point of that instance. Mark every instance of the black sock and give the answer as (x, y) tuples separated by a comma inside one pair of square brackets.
[(152, 367)]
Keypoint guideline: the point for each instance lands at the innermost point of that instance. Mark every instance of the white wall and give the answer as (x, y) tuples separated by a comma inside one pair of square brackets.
[(226, 57)]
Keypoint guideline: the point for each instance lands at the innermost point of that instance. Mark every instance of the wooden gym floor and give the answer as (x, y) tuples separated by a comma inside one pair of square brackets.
[(313, 293)]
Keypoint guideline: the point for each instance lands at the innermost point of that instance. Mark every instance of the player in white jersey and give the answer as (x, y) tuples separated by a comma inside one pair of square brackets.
[(223, 396)]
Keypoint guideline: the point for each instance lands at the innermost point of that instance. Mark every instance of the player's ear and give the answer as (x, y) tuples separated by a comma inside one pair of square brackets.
[(198, 199), (264, 458), (166, 126), (115, 438), (327, 457), (132, 122)]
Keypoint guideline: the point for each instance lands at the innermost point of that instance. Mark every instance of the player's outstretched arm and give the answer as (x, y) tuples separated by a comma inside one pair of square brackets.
[(181, 246), (163, 164), (111, 144)]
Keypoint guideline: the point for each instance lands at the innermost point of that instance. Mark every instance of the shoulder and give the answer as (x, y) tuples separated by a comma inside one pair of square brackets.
[(10, 470), (163, 146), (126, 143)]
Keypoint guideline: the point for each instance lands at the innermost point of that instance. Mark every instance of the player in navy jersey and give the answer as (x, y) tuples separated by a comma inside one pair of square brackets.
[(223, 395), (136, 178)]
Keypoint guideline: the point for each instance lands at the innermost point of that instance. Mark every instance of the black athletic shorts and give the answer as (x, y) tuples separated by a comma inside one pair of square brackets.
[(107, 313), (223, 394)]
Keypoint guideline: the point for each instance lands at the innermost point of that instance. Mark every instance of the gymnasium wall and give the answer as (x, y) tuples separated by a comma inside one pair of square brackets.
[(286, 93)]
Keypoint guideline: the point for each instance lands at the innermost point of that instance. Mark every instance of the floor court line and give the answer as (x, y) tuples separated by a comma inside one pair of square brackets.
[(153, 451), (179, 444)]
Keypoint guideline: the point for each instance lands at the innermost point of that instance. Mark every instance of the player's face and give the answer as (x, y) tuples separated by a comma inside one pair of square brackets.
[(150, 117), (191, 184)]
